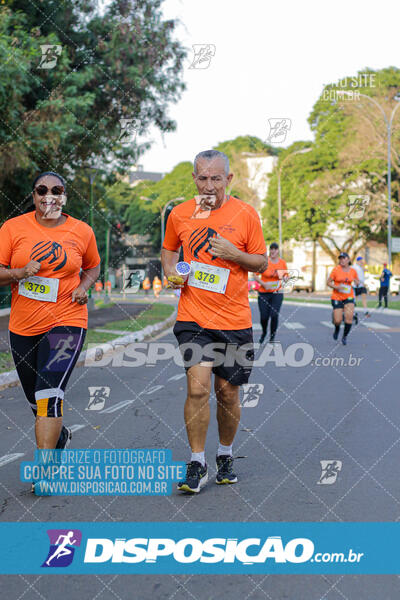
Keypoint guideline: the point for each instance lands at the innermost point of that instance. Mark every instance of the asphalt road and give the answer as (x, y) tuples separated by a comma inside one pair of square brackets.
[(325, 410)]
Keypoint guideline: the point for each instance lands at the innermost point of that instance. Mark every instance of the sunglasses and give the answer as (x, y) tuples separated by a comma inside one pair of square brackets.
[(42, 190)]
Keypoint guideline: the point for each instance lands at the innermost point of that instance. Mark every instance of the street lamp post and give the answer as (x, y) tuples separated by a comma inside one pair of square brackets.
[(163, 212), (106, 262), (92, 174), (302, 151), (388, 123)]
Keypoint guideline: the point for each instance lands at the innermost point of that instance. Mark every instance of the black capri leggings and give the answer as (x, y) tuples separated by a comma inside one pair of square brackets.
[(44, 365), (269, 304)]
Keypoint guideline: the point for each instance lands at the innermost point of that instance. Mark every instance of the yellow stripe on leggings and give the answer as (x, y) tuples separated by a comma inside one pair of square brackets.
[(42, 407)]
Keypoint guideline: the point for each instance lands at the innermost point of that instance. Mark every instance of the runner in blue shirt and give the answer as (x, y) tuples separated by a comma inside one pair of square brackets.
[(384, 287)]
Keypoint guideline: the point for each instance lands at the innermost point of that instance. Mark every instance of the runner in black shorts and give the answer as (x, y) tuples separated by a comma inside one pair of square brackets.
[(222, 239), (50, 260), (233, 360), (341, 281), (360, 289)]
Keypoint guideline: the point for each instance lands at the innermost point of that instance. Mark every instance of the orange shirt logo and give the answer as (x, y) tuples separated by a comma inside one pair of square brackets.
[(50, 251), (199, 238)]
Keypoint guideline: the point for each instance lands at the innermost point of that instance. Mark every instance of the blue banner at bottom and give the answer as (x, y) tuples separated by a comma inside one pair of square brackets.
[(213, 548)]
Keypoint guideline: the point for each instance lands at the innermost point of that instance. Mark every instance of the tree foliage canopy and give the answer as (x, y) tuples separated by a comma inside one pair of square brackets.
[(122, 63), (348, 159)]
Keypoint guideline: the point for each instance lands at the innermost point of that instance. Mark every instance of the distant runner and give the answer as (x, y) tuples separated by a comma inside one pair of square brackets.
[(360, 289), (46, 250), (341, 280), (384, 285), (270, 294), (222, 239)]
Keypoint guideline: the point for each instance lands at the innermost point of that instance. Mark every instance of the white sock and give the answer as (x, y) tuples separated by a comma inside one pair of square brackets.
[(226, 450), (199, 457)]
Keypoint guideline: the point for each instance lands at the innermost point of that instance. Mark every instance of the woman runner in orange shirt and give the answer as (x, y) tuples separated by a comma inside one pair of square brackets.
[(270, 295), (53, 261), (341, 280)]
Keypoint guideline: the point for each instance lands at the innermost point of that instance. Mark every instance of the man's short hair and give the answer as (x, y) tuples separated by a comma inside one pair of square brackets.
[(211, 155)]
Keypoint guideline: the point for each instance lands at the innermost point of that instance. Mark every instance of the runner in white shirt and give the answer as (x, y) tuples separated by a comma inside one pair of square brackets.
[(360, 289)]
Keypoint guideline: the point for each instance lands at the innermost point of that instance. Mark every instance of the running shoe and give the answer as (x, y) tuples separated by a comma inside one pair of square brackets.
[(41, 488), (336, 334), (196, 477), (65, 438), (344, 340), (355, 318), (225, 472), (262, 338), (271, 338)]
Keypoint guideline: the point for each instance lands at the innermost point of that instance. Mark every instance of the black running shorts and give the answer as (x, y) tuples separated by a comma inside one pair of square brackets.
[(360, 290), (341, 303), (229, 351)]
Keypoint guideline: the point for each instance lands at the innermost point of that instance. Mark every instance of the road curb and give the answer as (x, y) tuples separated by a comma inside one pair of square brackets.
[(10, 378), (375, 311)]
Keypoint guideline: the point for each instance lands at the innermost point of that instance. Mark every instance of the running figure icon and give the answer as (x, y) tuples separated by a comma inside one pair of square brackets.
[(62, 549), (62, 346)]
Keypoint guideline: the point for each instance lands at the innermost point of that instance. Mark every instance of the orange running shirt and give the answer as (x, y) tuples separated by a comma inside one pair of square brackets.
[(344, 278), (273, 273), (239, 223), (62, 251)]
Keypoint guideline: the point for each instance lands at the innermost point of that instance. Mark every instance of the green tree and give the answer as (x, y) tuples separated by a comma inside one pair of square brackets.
[(348, 159), (119, 63), (142, 204)]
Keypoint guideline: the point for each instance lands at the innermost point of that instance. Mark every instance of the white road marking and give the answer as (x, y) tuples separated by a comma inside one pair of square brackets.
[(7, 458), (327, 324), (116, 407), (176, 377), (374, 325), (257, 327), (294, 325), (74, 428), (154, 389)]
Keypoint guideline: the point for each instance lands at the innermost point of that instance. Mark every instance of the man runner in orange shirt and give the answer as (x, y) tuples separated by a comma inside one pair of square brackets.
[(222, 239)]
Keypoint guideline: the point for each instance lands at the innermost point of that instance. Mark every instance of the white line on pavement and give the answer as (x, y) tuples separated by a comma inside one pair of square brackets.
[(154, 389), (374, 325), (327, 324), (176, 377), (256, 327), (116, 407), (294, 325), (7, 458), (74, 428)]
